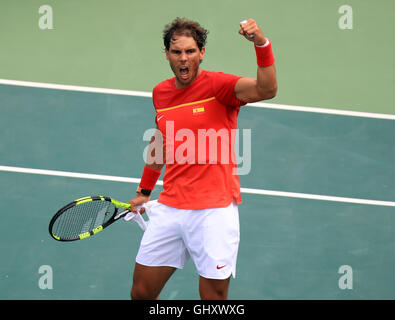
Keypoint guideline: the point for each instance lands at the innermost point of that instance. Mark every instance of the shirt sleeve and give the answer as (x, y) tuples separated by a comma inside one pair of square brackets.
[(224, 89)]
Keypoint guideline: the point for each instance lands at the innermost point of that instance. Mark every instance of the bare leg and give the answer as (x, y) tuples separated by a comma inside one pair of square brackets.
[(213, 289), (148, 282)]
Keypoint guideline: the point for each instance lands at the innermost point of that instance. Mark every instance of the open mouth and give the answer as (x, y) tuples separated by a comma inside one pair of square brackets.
[(184, 73)]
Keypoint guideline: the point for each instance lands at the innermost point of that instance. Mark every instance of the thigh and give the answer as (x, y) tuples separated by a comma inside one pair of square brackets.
[(162, 243), (212, 240), (148, 281)]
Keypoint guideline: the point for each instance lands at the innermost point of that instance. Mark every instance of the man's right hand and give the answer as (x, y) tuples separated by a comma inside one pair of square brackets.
[(137, 201)]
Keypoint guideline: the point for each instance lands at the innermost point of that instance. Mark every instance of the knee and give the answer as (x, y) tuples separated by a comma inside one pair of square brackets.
[(138, 292), (214, 295), (211, 289), (141, 292)]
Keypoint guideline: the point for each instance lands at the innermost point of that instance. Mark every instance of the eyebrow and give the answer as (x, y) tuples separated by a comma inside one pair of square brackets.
[(187, 50)]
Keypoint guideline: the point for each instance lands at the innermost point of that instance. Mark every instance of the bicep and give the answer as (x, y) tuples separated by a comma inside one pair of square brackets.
[(246, 90), (262, 88)]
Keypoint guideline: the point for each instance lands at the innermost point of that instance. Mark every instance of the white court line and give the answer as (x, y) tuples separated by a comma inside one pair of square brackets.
[(72, 174), (323, 110), (74, 88), (243, 190), (149, 94), (318, 197)]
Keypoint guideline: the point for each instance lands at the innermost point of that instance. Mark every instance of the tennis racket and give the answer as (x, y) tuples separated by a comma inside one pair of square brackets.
[(87, 216)]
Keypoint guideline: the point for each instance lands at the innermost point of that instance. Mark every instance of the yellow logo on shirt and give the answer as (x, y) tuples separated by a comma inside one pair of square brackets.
[(198, 110)]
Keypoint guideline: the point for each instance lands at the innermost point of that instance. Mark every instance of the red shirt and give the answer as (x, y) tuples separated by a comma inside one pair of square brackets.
[(197, 124)]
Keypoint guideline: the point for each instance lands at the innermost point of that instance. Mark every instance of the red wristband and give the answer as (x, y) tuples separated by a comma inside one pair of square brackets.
[(264, 55), (149, 178)]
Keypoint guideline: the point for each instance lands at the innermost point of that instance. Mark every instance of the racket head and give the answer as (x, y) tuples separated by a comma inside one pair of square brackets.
[(83, 218)]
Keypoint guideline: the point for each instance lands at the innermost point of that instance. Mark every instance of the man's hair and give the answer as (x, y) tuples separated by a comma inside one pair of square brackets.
[(185, 27)]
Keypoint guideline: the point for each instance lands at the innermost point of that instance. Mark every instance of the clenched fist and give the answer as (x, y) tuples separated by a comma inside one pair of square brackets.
[(251, 31)]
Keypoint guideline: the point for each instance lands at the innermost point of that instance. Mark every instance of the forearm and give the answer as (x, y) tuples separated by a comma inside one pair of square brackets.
[(155, 154), (266, 74), (155, 166), (266, 82), (151, 173), (155, 161), (152, 168)]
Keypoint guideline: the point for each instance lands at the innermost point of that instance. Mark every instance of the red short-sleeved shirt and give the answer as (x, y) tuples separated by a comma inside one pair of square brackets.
[(197, 125)]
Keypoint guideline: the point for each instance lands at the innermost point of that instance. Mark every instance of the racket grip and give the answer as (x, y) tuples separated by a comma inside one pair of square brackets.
[(249, 35)]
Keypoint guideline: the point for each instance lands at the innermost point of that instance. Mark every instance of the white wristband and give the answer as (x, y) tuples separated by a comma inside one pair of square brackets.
[(265, 44)]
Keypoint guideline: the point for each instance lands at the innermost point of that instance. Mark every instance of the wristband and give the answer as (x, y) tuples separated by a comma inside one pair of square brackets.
[(264, 55), (144, 192), (149, 178), (265, 44)]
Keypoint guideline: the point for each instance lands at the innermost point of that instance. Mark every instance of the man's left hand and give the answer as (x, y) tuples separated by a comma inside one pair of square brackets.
[(251, 31)]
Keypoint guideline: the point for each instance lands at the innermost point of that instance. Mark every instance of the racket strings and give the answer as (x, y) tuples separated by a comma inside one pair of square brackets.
[(83, 218)]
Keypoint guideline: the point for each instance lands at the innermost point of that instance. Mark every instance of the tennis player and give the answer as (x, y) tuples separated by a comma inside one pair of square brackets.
[(197, 212)]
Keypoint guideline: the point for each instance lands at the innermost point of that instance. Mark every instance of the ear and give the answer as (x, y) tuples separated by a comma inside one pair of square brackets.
[(202, 52), (167, 54), (201, 55)]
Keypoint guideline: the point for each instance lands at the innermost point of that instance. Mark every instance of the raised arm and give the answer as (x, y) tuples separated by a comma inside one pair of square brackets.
[(265, 85)]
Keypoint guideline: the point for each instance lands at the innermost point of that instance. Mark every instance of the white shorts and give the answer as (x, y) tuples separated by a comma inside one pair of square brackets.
[(209, 236)]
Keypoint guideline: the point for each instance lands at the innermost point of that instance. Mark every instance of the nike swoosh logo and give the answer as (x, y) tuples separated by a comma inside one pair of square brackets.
[(220, 267), (160, 117)]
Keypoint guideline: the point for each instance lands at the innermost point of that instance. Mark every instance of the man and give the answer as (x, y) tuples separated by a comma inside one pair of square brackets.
[(197, 213)]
